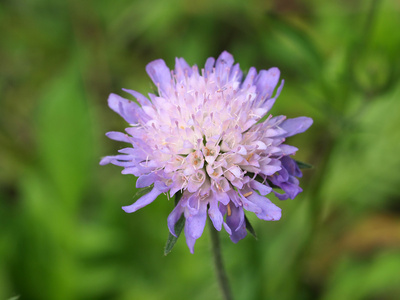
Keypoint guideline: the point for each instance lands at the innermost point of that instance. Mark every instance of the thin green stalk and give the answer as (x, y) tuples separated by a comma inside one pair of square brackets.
[(219, 265)]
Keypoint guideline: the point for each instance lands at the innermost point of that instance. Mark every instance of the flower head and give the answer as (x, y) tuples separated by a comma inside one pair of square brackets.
[(208, 135)]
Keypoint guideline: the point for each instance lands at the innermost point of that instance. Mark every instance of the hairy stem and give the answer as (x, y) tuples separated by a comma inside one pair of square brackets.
[(219, 265)]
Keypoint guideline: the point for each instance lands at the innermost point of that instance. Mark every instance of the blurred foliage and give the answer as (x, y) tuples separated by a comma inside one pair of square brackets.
[(63, 234)]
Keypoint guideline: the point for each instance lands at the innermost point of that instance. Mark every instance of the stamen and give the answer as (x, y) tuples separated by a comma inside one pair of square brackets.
[(229, 209), (247, 194)]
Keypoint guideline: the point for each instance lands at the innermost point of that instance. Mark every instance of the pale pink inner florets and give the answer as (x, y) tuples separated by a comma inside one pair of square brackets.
[(199, 131)]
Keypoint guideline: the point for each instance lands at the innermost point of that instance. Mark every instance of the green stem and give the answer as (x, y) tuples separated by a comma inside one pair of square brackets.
[(219, 265)]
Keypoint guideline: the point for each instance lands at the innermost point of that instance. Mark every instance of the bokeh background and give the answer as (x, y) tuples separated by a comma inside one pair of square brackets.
[(63, 234)]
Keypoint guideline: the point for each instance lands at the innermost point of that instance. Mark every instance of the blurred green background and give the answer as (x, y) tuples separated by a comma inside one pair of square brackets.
[(63, 234)]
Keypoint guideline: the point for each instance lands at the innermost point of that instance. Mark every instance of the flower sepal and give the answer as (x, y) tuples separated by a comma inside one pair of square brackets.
[(250, 228), (303, 165), (172, 239)]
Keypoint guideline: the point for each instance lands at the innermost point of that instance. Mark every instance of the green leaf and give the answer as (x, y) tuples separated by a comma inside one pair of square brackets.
[(171, 241), (303, 165), (142, 191), (250, 228)]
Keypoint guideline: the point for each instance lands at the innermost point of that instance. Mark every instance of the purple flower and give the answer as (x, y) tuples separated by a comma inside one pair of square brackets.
[(202, 135)]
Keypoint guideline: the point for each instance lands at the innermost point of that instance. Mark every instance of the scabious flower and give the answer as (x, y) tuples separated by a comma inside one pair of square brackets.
[(208, 135)]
